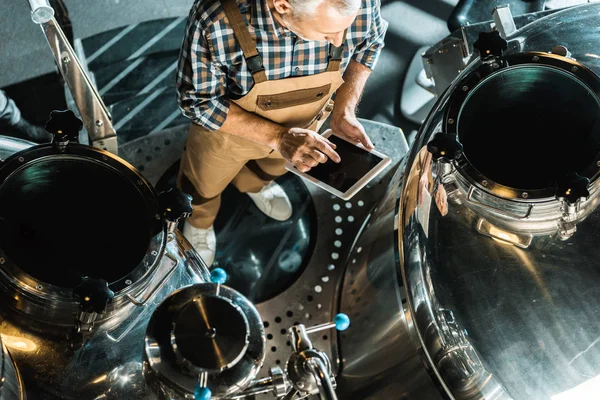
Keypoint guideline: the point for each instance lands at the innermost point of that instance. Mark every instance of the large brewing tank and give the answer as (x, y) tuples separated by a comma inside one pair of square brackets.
[(478, 275), (88, 251)]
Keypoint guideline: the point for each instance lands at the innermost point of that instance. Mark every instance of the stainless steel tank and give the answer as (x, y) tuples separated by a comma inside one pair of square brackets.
[(11, 384), (478, 276), (205, 332), (88, 251)]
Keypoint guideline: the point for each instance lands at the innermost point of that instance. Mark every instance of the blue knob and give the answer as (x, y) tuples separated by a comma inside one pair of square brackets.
[(202, 393), (218, 275), (341, 321)]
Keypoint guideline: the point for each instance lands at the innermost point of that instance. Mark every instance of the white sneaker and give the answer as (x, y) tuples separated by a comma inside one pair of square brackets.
[(273, 201), (203, 240)]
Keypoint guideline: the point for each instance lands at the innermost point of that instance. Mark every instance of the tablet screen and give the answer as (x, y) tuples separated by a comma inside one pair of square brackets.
[(355, 164)]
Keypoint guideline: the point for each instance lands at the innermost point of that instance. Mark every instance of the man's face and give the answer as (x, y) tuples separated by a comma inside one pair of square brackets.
[(326, 24)]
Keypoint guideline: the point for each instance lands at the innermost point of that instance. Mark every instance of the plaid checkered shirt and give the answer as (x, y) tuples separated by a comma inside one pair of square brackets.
[(212, 69)]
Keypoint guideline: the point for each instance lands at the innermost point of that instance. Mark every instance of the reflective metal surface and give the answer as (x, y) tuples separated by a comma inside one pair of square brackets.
[(109, 364), (312, 298), (10, 145), (491, 309), (210, 334), (575, 28), (33, 235), (11, 385), (487, 285), (228, 322), (380, 354), (59, 211)]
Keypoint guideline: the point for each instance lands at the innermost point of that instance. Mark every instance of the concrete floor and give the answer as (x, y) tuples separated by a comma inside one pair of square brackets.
[(412, 24)]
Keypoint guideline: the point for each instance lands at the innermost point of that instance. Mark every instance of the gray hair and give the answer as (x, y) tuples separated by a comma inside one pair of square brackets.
[(308, 8)]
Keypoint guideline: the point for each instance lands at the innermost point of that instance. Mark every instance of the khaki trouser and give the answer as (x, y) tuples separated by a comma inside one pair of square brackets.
[(224, 158)]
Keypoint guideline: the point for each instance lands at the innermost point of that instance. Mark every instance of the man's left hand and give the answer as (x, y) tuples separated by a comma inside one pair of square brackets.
[(344, 123)]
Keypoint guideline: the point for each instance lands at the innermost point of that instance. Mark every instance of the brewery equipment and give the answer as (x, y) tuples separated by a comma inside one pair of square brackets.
[(480, 263), (102, 297), (209, 340), (88, 248), (474, 278)]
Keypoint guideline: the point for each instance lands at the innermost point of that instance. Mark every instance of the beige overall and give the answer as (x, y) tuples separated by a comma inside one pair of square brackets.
[(213, 159)]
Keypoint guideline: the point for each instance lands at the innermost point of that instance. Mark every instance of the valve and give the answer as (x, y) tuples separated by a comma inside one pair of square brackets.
[(308, 370), (65, 127), (218, 275), (174, 205)]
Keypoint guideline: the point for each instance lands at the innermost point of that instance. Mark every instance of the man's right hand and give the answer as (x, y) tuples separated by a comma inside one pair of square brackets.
[(306, 149)]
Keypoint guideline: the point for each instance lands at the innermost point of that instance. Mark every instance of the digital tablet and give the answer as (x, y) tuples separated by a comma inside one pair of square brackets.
[(358, 166)]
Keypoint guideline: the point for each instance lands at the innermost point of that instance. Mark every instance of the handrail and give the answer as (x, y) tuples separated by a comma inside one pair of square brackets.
[(93, 111)]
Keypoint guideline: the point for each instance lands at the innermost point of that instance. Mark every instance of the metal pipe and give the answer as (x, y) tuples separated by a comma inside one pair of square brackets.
[(321, 374), (93, 111), (260, 386)]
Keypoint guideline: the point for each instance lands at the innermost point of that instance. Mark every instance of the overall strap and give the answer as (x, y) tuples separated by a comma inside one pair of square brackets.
[(335, 56), (247, 43)]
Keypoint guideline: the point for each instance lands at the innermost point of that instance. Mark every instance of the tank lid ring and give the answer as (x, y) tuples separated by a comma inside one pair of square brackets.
[(456, 100)]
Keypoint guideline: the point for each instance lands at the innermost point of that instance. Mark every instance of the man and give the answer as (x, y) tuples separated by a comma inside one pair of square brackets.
[(12, 122), (256, 78)]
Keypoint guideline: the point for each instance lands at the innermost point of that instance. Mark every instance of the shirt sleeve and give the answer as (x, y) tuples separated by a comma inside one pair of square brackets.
[(367, 52), (201, 82)]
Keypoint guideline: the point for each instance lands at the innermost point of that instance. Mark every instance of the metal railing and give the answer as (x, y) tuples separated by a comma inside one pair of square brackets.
[(94, 114)]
